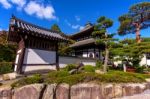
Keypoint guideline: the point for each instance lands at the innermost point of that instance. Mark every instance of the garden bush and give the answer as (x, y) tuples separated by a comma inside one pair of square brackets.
[(140, 69), (60, 73), (99, 64), (6, 67), (89, 68), (84, 77), (70, 67), (28, 80)]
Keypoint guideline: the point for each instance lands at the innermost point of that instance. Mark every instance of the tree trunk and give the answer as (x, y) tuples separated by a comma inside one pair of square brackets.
[(106, 59), (138, 38)]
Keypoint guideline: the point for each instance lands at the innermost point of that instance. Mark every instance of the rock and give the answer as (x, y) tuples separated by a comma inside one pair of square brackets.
[(118, 90), (147, 85), (108, 91), (99, 72), (1, 78), (139, 88), (5, 93), (28, 92), (128, 90), (50, 92), (12, 75), (131, 89), (86, 91), (73, 71), (147, 80), (6, 77), (62, 91)]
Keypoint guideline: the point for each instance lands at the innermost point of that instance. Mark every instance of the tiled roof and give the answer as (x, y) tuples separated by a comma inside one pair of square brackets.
[(83, 30), (35, 29), (83, 42)]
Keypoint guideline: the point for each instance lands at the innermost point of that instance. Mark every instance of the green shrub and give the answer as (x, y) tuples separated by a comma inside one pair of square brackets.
[(7, 52), (99, 64), (28, 80), (113, 77), (140, 69), (5, 67), (89, 68), (60, 73), (70, 67), (63, 77)]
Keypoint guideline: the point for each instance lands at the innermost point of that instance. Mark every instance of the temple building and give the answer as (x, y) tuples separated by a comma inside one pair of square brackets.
[(85, 45), (37, 46)]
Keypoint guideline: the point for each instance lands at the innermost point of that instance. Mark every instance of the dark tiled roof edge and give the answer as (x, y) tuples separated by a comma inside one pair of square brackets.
[(40, 27)]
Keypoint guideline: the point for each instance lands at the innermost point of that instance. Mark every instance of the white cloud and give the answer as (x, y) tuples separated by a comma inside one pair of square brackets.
[(81, 28), (5, 4), (77, 26), (41, 11), (67, 22), (36, 8), (20, 3), (77, 18)]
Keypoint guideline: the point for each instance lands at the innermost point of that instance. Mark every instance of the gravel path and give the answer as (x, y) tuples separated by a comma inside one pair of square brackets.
[(144, 95)]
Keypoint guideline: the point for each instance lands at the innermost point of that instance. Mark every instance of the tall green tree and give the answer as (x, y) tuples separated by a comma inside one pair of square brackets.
[(102, 37), (137, 18), (55, 27), (7, 51)]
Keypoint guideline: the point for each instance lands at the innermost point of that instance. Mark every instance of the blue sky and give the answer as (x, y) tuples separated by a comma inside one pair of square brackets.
[(70, 15)]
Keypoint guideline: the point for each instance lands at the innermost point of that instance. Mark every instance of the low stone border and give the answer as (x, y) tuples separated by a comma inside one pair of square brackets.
[(78, 91)]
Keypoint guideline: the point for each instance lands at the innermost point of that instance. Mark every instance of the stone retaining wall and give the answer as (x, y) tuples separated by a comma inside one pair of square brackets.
[(79, 91)]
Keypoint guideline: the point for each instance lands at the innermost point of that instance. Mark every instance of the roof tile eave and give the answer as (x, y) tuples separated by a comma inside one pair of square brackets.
[(37, 29)]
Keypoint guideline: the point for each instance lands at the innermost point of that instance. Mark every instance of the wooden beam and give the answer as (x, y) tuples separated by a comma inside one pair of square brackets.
[(57, 57)]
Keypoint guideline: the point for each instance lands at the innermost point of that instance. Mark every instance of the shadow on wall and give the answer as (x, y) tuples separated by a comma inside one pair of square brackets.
[(34, 56)]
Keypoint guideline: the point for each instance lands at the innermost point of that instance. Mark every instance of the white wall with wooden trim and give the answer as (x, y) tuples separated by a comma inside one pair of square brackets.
[(36, 56), (35, 60), (64, 60)]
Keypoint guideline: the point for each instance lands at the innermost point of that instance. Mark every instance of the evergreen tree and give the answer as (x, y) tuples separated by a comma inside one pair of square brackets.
[(136, 19), (130, 51), (103, 38), (55, 27)]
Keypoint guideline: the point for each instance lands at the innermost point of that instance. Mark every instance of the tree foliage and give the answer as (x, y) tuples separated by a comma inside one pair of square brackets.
[(137, 18), (7, 51), (55, 27), (130, 51), (102, 37)]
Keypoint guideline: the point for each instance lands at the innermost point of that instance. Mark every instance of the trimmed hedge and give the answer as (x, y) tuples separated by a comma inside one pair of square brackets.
[(6, 67)]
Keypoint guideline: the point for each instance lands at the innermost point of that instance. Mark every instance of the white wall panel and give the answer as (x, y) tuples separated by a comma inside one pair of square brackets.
[(63, 61), (35, 56)]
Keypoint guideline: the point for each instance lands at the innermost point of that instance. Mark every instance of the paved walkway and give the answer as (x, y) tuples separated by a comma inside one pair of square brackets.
[(144, 95)]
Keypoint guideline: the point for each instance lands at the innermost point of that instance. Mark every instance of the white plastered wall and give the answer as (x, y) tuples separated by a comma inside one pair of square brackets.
[(34, 57), (63, 61), (145, 61)]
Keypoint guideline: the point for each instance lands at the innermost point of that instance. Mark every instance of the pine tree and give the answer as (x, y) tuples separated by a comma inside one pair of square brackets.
[(136, 19), (103, 38), (55, 27)]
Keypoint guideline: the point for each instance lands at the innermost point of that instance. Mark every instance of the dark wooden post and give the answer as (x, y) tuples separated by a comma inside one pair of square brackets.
[(21, 55), (57, 57)]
